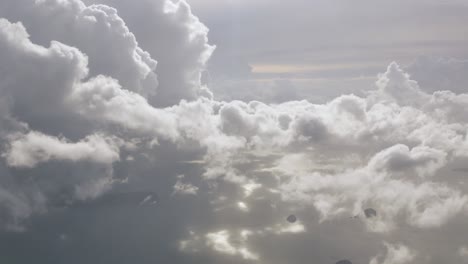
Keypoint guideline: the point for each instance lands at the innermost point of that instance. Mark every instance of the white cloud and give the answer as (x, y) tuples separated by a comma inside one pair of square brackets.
[(96, 30), (175, 38), (34, 148), (222, 242), (103, 100), (184, 188), (283, 228), (219, 241), (397, 85), (422, 160)]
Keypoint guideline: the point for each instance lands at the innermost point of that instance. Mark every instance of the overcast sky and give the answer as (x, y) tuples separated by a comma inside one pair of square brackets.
[(325, 47), (233, 131)]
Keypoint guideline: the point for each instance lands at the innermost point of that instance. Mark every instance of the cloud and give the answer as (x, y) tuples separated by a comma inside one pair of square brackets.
[(103, 100), (401, 158), (222, 242), (33, 148), (110, 41), (396, 254), (175, 38), (80, 116), (96, 30), (185, 188), (17, 205), (397, 85), (335, 51)]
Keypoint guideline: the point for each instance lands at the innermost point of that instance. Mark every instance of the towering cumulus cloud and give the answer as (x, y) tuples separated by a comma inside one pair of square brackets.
[(108, 137), (175, 38)]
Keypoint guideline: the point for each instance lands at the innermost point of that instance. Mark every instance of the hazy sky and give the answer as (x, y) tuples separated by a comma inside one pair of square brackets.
[(233, 131), (325, 47)]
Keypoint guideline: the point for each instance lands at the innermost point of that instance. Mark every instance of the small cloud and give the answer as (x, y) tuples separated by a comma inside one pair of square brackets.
[(183, 188), (223, 241), (243, 206), (149, 200)]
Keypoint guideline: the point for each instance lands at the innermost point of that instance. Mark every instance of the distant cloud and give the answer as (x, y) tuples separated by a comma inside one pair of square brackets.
[(439, 74)]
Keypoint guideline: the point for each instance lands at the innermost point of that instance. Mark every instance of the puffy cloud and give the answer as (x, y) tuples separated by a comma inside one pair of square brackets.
[(397, 85), (175, 38), (36, 91), (96, 30), (109, 38), (350, 192), (33, 148), (40, 96), (422, 160), (36, 97), (102, 99)]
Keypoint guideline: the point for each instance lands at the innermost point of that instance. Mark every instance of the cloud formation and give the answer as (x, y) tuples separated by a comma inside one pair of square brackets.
[(33, 148), (112, 101)]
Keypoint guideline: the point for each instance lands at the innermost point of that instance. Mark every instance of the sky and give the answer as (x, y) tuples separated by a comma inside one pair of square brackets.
[(321, 49), (233, 131)]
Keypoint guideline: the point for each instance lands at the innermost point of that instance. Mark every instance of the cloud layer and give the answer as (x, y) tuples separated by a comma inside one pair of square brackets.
[(105, 97)]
